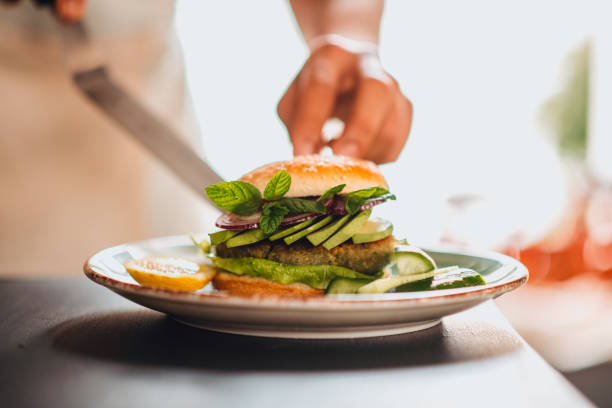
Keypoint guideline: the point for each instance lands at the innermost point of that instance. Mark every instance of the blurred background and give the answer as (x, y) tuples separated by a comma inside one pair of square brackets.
[(509, 150)]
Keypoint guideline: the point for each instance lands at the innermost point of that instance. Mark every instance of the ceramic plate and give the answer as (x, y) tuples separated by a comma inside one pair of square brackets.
[(336, 316)]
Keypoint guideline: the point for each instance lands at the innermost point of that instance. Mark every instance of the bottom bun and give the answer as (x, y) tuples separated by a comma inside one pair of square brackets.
[(248, 286)]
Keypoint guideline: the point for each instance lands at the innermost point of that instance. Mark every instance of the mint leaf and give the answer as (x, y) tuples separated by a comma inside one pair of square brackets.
[(300, 205), (272, 214), (237, 197), (330, 192), (271, 217), (277, 186), (356, 199)]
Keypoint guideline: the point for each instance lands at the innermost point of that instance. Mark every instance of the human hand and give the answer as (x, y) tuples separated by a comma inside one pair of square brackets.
[(350, 84), (68, 11)]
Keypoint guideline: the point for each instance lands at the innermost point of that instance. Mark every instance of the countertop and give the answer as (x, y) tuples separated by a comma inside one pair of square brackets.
[(70, 343)]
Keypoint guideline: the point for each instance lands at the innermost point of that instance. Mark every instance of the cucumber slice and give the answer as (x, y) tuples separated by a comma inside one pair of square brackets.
[(323, 222), (459, 278), (411, 260), (423, 284), (220, 237), (348, 230), (316, 238), (373, 230), (386, 284), (204, 245), (290, 230), (345, 285), (246, 238)]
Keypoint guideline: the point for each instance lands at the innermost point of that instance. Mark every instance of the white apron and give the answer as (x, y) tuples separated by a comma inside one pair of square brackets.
[(73, 182)]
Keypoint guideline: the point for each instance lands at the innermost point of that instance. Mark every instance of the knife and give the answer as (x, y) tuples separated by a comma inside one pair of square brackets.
[(92, 77)]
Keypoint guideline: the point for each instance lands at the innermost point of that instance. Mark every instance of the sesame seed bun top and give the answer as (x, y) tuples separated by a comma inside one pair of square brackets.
[(313, 174)]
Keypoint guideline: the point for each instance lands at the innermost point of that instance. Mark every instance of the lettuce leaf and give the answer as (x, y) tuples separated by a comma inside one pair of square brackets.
[(316, 276)]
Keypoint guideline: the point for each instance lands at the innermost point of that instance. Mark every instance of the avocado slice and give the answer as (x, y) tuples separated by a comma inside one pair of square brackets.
[(316, 238), (291, 229), (246, 238), (220, 237), (292, 238), (348, 230), (373, 230)]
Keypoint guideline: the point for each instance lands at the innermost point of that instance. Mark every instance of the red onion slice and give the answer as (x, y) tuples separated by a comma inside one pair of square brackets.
[(231, 221), (336, 206), (295, 219)]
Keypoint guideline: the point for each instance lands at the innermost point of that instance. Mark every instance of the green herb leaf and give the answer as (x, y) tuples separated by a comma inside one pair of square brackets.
[(237, 197), (277, 186), (300, 205), (356, 199), (271, 217), (330, 192)]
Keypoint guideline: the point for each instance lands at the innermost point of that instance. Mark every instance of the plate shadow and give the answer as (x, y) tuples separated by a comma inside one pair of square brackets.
[(153, 339)]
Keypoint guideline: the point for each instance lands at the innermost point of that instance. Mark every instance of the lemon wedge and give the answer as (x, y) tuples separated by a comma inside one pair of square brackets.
[(170, 273)]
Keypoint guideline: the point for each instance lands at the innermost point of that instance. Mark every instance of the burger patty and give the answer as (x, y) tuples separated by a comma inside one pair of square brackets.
[(368, 258)]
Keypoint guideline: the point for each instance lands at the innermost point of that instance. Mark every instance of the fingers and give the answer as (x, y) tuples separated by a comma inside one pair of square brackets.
[(392, 138), (311, 98), (284, 108), (317, 89), (356, 89), (70, 11), (371, 108)]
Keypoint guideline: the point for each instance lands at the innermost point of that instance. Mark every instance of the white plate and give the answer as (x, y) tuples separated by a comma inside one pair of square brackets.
[(337, 316)]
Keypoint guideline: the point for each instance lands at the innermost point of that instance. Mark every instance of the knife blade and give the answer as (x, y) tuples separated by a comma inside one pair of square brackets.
[(94, 80)]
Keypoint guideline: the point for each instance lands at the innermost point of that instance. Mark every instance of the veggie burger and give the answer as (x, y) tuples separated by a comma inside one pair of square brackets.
[(300, 227)]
